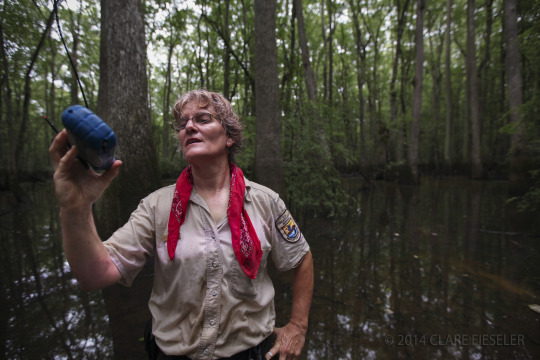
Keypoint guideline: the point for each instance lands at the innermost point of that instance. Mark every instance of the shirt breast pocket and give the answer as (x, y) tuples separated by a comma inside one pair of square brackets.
[(243, 286)]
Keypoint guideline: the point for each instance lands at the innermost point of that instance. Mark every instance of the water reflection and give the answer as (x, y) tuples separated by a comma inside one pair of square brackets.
[(441, 271), (416, 265), (44, 315)]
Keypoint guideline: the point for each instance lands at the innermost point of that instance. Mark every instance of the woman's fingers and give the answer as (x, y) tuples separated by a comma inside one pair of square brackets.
[(275, 349), (110, 174), (272, 352), (70, 156), (75, 184), (289, 343), (58, 148)]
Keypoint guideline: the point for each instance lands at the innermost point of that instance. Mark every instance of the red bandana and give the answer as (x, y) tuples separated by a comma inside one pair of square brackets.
[(246, 244)]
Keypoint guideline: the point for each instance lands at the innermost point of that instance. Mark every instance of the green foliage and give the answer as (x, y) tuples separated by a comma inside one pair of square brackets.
[(23, 25), (246, 158), (349, 128), (315, 185), (170, 168), (531, 200), (312, 179)]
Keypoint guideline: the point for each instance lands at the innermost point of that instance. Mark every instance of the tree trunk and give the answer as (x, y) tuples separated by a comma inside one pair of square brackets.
[(199, 49), (268, 153), (226, 53), (324, 52), (360, 76), (290, 61), (306, 63), (166, 131), (312, 109), (331, 27), (518, 149), (207, 72), (361, 80), (487, 85), (7, 120), (50, 94), (123, 104), (406, 64), (436, 85), (476, 128), (377, 129), (75, 28), (448, 91), (249, 81), (397, 136), (414, 137)]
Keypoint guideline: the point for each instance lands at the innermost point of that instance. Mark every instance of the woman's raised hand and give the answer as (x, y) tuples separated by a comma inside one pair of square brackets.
[(75, 186)]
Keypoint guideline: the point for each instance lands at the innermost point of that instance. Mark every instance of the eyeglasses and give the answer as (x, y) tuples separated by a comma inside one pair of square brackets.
[(199, 119)]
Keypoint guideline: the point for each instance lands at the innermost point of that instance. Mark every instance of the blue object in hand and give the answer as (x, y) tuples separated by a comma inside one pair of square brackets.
[(92, 136)]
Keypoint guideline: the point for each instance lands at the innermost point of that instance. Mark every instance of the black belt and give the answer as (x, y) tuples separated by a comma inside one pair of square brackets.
[(250, 354), (255, 353)]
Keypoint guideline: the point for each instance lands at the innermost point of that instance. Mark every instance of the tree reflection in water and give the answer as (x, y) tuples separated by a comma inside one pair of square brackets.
[(44, 314), (445, 270)]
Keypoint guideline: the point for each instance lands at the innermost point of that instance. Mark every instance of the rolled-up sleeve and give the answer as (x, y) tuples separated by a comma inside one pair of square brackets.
[(132, 244), (288, 243)]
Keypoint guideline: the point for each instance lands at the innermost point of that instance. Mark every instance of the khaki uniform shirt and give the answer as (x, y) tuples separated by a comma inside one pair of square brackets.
[(202, 303)]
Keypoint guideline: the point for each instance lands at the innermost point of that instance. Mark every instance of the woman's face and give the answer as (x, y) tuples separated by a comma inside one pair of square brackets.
[(203, 138)]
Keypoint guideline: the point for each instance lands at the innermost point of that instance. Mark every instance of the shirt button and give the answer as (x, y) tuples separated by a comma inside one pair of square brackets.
[(214, 292), (214, 264), (205, 351), (212, 322)]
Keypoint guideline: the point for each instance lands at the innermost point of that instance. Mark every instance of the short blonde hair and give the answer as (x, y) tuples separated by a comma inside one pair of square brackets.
[(224, 113)]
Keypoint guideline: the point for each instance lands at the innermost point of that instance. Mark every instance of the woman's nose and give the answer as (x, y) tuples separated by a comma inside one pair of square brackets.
[(190, 124)]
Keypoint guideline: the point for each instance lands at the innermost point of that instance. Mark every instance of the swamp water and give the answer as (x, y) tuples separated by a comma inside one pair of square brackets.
[(445, 270)]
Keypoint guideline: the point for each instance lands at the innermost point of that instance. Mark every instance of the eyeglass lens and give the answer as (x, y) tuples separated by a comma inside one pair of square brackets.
[(199, 119)]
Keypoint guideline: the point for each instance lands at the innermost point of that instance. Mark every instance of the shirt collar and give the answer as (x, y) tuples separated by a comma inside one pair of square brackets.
[(196, 198), (247, 196)]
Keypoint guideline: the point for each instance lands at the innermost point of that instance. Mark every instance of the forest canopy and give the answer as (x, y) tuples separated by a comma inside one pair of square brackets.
[(390, 89)]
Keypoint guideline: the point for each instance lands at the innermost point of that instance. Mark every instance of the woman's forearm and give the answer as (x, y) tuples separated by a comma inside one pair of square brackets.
[(302, 292), (87, 256)]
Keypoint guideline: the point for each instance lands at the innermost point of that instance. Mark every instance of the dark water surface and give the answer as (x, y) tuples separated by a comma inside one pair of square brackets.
[(446, 270)]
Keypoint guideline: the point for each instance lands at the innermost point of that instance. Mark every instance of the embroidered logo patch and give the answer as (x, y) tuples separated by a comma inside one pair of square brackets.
[(287, 227)]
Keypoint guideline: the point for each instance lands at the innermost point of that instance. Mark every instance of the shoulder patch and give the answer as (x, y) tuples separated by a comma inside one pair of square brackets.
[(287, 227)]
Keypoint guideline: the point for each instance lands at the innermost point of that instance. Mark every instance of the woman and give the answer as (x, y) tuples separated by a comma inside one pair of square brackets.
[(210, 235)]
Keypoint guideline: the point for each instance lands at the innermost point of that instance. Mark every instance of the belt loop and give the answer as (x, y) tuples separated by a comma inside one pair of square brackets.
[(255, 353)]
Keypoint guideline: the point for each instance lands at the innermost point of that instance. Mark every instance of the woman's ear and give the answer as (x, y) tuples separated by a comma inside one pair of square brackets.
[(230, 142)]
